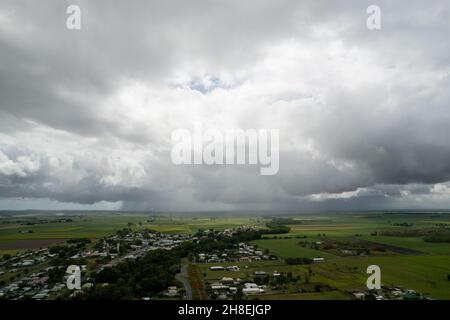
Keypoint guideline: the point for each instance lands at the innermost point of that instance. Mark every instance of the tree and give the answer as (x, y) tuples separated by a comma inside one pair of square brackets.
[(92, 264), (306, 279), (289, 276)]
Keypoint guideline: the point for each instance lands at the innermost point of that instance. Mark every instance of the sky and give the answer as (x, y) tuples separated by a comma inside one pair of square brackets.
[(86, 116)]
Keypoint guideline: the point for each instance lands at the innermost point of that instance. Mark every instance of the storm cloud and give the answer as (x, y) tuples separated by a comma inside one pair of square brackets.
[(86, 115)]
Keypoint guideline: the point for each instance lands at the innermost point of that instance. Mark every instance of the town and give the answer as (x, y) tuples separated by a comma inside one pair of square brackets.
[(40, 274), (209, 264)]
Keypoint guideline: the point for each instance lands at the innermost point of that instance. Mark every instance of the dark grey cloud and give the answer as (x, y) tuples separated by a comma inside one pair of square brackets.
[(86, 116)]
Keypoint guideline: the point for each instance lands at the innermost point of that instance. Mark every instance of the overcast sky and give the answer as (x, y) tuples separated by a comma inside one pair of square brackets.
[(86, 116)]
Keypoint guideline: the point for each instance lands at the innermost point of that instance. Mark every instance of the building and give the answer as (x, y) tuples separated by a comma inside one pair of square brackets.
[(172, 291), (216, 268), (245, 259), (233, 268), (252, 288)]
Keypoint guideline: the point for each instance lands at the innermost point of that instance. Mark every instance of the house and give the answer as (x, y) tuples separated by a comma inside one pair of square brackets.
[(172, 291), (245, 259), (233, 268), (164, 243), (216, 268), (91, 254), (251, 288), (260, 273), (27, 263), (218, 286), (410, 295), (359, 295), (397, 292), (41, 295)]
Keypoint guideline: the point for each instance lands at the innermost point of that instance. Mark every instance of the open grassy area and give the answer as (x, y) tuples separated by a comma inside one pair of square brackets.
[(426, 274), (289, 248), (328, 295), (246, 269), (413, 243)]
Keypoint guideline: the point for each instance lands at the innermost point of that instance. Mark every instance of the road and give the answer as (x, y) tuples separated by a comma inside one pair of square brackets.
[(183, 277)]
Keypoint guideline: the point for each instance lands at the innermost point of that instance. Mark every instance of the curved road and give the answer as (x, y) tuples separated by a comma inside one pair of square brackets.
[(183, 277)]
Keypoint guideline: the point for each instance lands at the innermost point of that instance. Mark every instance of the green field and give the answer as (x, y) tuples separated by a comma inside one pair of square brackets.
[(426, 274), (289, 248), (329, 295), (426, 271)]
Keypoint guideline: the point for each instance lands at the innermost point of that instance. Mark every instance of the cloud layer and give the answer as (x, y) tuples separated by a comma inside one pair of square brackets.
[(86, 116)]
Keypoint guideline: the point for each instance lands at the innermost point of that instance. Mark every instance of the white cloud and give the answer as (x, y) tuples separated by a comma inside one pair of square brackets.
[(87, 117)]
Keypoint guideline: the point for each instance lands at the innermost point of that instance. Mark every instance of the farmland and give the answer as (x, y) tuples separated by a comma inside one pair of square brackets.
[(31, 231), (399, 243), (407, 262)]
